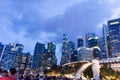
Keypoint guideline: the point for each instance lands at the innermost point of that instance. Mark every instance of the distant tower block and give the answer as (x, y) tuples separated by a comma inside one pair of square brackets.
[(80, 41)]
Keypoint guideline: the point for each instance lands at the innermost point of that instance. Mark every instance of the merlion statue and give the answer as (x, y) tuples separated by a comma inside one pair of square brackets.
[(96, 69)]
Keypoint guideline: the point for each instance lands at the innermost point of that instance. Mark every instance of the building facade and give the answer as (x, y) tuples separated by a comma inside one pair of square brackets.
[(25, 61), (114, 37), (87, 37), (71, 49), (8, 56), (19, 48), (22, 61), (91, 40), (84, 54), (74, 56), (65, 52), (51, 53), (102, 46), (38, 51), (80, 42), (1, 48)]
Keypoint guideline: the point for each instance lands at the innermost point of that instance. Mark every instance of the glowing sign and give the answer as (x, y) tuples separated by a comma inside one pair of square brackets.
[(114, 23)]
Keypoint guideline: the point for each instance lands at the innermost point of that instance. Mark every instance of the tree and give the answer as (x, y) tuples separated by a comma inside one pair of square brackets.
[(88, 72)]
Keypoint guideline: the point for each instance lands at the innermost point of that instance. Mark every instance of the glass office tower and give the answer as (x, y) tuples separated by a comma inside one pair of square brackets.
[(114, 36)]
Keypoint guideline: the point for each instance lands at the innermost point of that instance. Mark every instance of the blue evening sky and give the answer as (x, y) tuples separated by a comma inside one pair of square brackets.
[(29, 21)]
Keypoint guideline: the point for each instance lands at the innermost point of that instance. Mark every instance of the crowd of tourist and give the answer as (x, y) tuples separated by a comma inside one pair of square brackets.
[(12, 74), (7, 75)]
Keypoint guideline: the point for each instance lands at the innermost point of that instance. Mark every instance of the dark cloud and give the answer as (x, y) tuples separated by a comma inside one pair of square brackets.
[(79, 19), (76, 20)]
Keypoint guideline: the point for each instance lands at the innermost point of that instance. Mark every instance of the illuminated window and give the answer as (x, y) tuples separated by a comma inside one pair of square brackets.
[(24, 59), (22, 66), (114, 23)]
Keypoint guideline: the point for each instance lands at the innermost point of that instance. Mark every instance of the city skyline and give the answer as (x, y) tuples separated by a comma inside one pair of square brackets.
[(27, 22)]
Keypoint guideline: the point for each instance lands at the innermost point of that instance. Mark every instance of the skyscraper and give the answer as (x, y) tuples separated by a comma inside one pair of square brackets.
[(102, 46), (25, 62), (91, 40), (19, 47), (51, 47), (114, 37), (68, 47), (80, 42), (38, 51), (18, 60), (71, 49), (51, 51), (103, 43), (8, 56), (71, 46), (65, 53), (1, 48), (22, 61), (84, 54), (74, 56)]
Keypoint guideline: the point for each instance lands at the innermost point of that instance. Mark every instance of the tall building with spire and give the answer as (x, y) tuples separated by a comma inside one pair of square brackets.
[(65, 52)]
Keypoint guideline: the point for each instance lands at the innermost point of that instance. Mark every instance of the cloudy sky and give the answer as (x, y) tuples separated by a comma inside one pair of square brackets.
[(29, 21)]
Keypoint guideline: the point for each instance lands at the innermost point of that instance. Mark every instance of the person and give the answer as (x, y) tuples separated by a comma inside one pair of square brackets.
[(20, 77), (80, 78), (12, 72), (41, 77), (37, 77), (8, 75), (27, 77), (0, 72), (4, 75)]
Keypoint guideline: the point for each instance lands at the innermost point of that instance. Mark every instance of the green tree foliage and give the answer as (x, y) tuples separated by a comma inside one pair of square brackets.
[(88, 72), (55, 68), (107, 71)]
